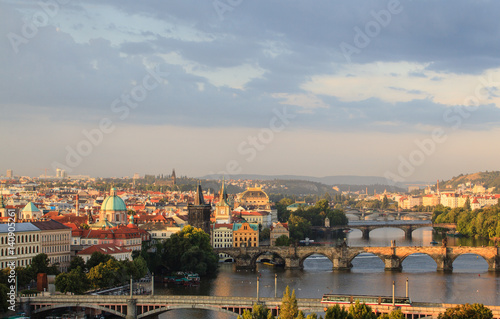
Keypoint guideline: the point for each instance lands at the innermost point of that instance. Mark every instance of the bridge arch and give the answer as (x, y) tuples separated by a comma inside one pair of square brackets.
[(436, 259), (489, 261), (263, 252), (357, 253), (82, 305), (161, 310), (309, 254)]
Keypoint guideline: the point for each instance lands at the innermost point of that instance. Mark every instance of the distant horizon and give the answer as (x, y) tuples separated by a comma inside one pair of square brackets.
[(230, 177)]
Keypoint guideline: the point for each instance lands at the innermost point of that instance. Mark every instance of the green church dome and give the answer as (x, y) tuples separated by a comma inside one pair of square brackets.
[(113, 202)]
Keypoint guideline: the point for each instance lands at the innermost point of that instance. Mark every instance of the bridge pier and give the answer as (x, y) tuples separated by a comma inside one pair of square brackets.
[(341, 263), (293, 263), (408, 232), (366, 233), (131, 309), (25, 306), (392, 263), (444, 263)]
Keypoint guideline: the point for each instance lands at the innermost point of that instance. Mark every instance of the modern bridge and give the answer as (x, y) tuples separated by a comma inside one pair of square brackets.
[(408, 226), (341, 256), (152, 306)]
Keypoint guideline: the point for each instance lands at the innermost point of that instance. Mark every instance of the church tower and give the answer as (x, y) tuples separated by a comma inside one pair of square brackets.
[(173, 178), (223, 209), (199, 212)]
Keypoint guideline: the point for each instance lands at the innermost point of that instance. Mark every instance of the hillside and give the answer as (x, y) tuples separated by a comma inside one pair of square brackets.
[(326, 180), (487, 179)]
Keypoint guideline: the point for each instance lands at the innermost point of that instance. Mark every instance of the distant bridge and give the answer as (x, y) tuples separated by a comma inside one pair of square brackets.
[(408, 226), (342, 256), (152, 306)]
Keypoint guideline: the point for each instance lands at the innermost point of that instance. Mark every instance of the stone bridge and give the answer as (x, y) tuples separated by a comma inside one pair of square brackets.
[(342, 256), (408, 226), (153, 306)]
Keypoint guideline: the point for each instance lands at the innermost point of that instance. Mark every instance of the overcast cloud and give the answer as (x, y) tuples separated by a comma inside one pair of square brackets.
[(360, 82)]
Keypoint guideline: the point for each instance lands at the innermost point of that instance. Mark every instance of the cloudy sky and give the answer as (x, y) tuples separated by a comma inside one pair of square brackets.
[(403, 89)]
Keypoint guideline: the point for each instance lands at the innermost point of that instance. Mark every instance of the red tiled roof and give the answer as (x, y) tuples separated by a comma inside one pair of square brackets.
[(107, 249)]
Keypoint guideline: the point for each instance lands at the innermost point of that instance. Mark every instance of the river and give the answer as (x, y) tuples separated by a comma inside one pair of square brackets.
[(470, 281)]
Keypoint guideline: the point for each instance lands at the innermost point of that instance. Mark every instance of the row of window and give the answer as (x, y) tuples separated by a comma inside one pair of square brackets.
[(220, 234), (58, 237), (225, 240), (20, 251), (55, 249), (19, 263), (222, 245), (244, 239), (21, 239), (59, 259)]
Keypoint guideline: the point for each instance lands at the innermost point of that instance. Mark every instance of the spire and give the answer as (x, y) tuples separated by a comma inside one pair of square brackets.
[(223, 194), (112, 192), (198, 199)]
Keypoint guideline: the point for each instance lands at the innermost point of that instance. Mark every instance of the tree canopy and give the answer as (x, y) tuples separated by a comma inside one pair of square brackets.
[(467, 311)]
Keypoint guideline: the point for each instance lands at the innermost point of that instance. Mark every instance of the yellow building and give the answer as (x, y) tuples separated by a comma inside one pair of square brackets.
[(245, 235), (430, 200), (254, 198)]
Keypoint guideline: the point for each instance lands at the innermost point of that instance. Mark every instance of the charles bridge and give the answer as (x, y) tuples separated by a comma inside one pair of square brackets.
[(341, 256)]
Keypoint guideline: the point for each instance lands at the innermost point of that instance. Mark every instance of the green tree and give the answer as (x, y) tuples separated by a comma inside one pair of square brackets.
[(467, 204), (258, 312), (385, 203), (299, 227), (4, 305), (282, 240), (105, 274), (141, 265), (76, 262), (40, 264), (395, 314), (361, 311), (96, 258), (264, 234), (467, 311), (74, 281), (335, 312), (289, 308), (190, 250), (283, 213)]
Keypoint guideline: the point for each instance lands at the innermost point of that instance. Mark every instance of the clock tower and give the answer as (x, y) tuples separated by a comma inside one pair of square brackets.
[(223, 209)]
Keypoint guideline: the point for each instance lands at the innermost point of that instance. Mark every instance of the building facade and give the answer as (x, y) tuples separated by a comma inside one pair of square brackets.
[(245, 235)]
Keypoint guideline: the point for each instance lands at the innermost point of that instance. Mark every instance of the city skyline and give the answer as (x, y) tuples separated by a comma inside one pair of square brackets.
[(398, 89)]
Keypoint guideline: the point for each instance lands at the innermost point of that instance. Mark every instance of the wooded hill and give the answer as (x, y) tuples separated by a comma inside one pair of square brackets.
[(487, 179)]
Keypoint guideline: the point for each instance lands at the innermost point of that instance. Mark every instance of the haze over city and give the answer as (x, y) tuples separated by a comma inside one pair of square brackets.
[(399, 89)]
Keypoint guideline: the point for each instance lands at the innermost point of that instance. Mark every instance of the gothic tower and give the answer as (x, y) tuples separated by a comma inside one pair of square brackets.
[(199, 212)]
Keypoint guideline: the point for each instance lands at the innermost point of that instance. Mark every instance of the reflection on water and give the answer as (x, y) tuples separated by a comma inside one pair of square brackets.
[(470, 281)]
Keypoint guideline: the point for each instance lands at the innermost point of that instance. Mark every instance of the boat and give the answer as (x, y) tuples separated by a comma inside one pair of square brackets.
[(273, 264), (434, 242), (454, 234), (182, 278)]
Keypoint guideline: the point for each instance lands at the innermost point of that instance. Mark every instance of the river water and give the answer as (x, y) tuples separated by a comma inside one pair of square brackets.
[(470, 281)]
